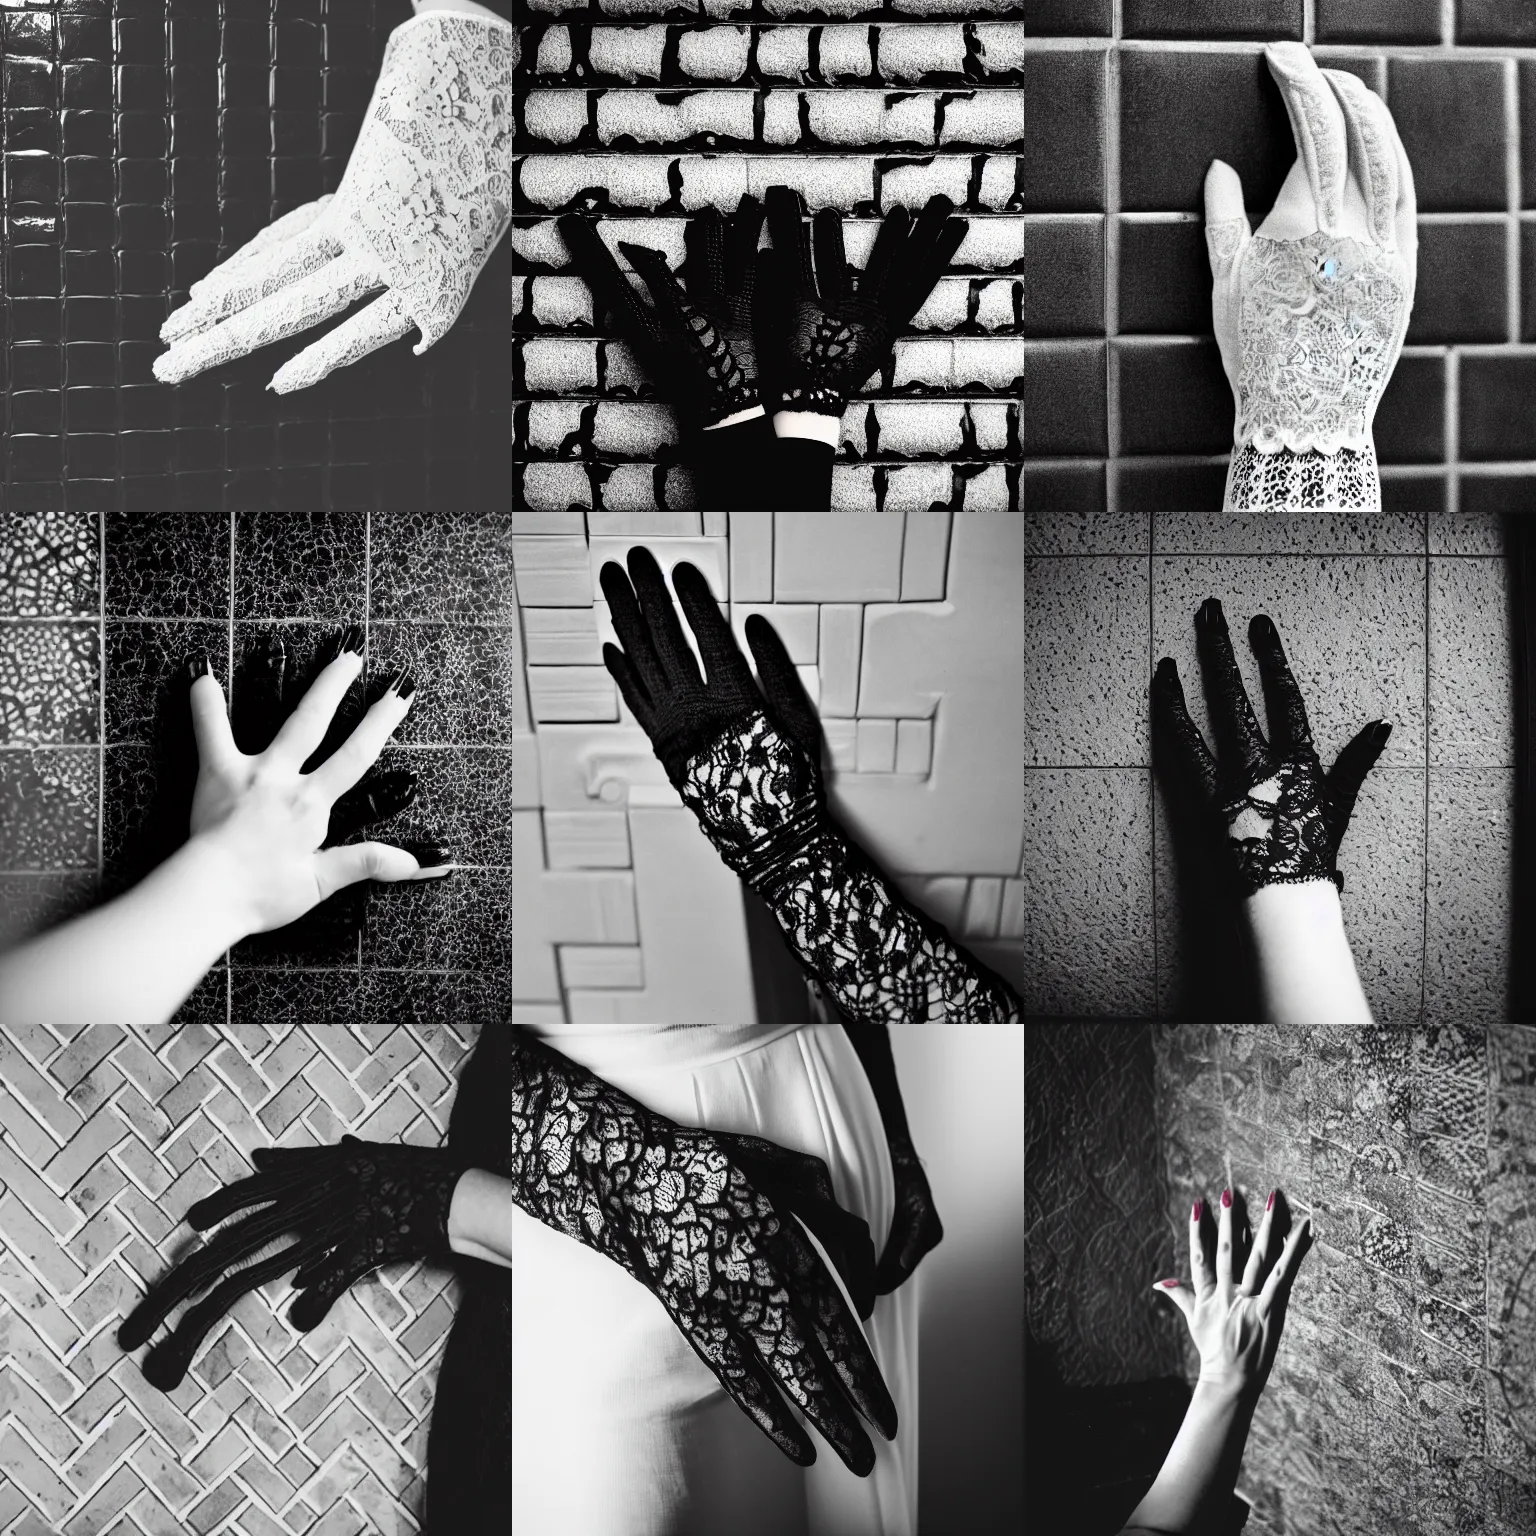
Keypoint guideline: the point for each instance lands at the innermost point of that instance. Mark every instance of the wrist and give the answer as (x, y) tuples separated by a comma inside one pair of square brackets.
[(208, 881), (815, 425), (1224, 1391), (1295, 482)]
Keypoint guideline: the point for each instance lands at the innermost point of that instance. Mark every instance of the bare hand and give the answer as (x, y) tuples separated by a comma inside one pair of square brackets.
[(1236, 1324)]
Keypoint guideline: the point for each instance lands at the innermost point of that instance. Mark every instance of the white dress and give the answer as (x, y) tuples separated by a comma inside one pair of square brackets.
[(618, 1428)]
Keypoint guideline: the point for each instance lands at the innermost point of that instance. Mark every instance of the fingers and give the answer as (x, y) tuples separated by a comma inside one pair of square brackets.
[(603, 275), (786, 227), (1372, 151), (1178, 733), (1277, 1288), (1407, 217), (1240, 748), (1258, 1255), (723, 662), (703, 268), (661, 621), (346, 766), (293, 223), (923, 279), (782, 687), (215, 739), (1288, 728), (336, 868), (1202, 1271), (1224, 1243), (380, 323), (741, 237), (1227, 230), (883, 260), (284, 312), (754, 1389), (1317, 123), (831, 263), (921, 258), (1349, 771), (630, 687), (376, 799), (304, 730), (666, 292)]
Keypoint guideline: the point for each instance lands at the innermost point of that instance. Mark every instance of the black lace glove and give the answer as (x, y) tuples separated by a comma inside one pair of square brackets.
[(915, 1226), (1285, 817), (821, 333), (705, 1221), (355, 1207), (747, 763), (696, 345)]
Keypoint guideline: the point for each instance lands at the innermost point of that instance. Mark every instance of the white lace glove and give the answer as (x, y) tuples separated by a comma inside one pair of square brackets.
[(426, 197), (1310, 313)]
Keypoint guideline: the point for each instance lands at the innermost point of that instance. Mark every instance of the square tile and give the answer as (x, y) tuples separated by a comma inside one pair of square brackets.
[(1462, 291), (441, 566), (464, 680), (426, 997), (1086, 671), (1378, 21), (1064, 399), (49, 564), (1165, 277), (1495, 21), (50, 684), (1494, 421), (1495, 496), (146, 687), (1450, 115), (1467, 533), (1288, 533), (310, 565), (1410, 422), (463, 922), (463, 801), (1088, 18), (1064, 276), (294, 996), (1205, 19), (1085, 533), (1157, 485), (1063, 161), (168, 565), (1471, 649), (1088, 892), (1054, 488), (1174, 397)]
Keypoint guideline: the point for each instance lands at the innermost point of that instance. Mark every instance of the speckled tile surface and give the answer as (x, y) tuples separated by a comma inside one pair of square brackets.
[(470, 700), (1471, 655), (1087, 533), (430, 567), (50, 684), (310, 565), (49, 564), (1466, 533), (1088, 898), (1085, 662), (48, 808), (1353, 630), (1467, 934), (1288, 533), (168, 565)]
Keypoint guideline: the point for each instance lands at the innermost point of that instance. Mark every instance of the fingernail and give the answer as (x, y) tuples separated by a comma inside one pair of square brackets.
[(353, 640), (1169, 1283), (429, 855), (1198, 1211), (1383, 730), (1268, 1203), (1210, 610), (195, 666), (1226, 1199), (407, 685)]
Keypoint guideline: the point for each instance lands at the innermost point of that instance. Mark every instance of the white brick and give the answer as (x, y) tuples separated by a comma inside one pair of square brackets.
[(718, 54), (628, 53), (924, 556), (846, 117), (540, 245), (842, 738), (981, 907), (844, 52), (988, 117), (716, 524), (644, 118), (791, 8), (1000, 305), (998, 175), (990, 419), (554, 52), (587, 839), (590, 908), (555, 366), (558, 485), (525, 771), (535, 1013), (988, 491), (572, 693), (644, 524), (945, 307), (838, 644), (561, 637), (989, 362), (533, 958), (909, 52), (561, 301), (631, 181), (557, 117), (707, 555), (552, 572), (877, 746), (911, 427), (631, 7), (914, 745), (1002, 43), (928, 362), (825, 181), (630, 486), (716, 181), (601, 965), (910, 120), (632, 429), (781, 117), (783, 53), (849, 558), (913, 185), (991, 244), (622, 370), (796, 624), (914, 488), (950, 7), (751, 553), (550, 422), (853, 488), (568, 524)]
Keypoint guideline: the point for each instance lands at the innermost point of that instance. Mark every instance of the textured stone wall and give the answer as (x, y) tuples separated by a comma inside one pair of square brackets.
[(644, 111)]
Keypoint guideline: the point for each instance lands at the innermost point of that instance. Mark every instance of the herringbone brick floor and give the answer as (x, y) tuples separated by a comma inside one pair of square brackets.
[(107, 1135)]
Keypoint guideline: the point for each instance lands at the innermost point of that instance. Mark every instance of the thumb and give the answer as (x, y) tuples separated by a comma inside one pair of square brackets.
[(1176, 1293), (346, 865)]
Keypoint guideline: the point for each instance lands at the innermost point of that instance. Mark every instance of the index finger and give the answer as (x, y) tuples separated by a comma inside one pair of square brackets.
[(1317, 124), (1239, 745), (1288, 727), (1278, 1286), (1371, 149), (304, 730)]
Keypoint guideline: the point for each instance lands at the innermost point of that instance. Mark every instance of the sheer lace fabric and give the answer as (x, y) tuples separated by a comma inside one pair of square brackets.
[(760, 803), (1279, 829), (831, 355), (1346, 481)]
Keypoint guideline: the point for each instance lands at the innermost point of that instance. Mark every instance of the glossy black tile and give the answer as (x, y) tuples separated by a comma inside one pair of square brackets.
[(1063, 159), (1163, 485), (1378, 21), (1267, 19), (48, 802), (465, 679), (1174, 398), (50, 684), (1450, 116), (301, 564), (462, 922), (1064, 277), (1496, 418), (428, 997), (293, 996), (147, 686), (207, 1003), (1064, 399), (1417, 494), (463, 802), (31, 904), (1495, 21), (1064, 487), (1410, 421), (168, 564), (434, 566), (1527, 281), (1166, 145), (1462, 292), (49, 564), (1165, 278), (1483, 494)]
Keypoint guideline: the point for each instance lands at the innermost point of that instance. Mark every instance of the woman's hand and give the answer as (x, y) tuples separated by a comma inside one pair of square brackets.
[(264, 820), (1236, 1322)]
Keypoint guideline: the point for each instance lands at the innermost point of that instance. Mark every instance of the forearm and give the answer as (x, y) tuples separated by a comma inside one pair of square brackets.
[(1199, 1473), (132, 961), (1306, 970), (480, 1217), (872, 1044)]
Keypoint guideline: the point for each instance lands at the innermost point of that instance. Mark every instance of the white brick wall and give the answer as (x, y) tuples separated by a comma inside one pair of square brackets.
[(630, 111)]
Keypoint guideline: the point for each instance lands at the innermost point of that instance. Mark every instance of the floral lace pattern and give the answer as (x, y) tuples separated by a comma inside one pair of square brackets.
[(828, 356), (688, 1213), (1320, 322), (1279, 830), (1346, 481), (759, 801)]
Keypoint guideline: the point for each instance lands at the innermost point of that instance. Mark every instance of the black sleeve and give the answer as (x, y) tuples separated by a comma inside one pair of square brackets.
[(802, 478), (731, 466)]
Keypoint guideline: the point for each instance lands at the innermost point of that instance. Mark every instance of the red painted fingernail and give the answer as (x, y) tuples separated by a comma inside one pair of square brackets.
[(1198, 1211), (1169, 1283), (1268, 1203), (1226, 1198)]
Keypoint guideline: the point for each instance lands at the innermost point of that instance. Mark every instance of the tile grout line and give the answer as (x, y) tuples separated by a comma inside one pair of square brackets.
[(101, 698), (1157, 989), (1112, 257), (1308, 22), (367, 655), (1424, 951), (1512, 148)]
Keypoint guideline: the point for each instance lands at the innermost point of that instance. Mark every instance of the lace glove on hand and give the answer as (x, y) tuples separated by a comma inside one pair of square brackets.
[(822, 333), (705, 1220), (1285, 817), (748, 765), (1310, 313), (915, 1226), (354, 1207), (426, 197), (697, 345)]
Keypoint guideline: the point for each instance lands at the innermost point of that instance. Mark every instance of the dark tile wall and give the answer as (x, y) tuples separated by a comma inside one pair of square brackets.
[(98, 612), (143, 143), (1400, 1398), (1128, 113)]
